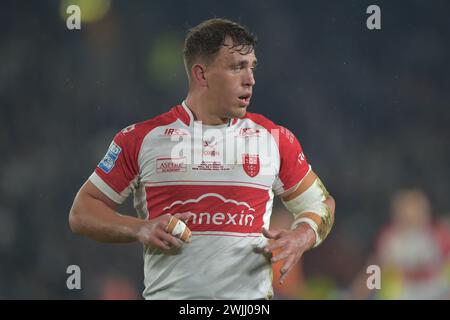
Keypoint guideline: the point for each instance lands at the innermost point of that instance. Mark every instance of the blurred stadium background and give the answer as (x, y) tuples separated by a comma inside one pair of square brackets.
[(371, 109)]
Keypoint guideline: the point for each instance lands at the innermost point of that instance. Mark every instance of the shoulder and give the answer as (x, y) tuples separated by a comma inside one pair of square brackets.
[(138, 131), (261, 120), (283, 133)]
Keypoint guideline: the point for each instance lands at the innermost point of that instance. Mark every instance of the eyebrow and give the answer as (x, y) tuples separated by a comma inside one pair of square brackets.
[(245, 62)]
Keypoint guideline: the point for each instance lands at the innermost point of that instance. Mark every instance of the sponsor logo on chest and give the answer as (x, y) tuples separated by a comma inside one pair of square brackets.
[(214, 208), (164, 165)]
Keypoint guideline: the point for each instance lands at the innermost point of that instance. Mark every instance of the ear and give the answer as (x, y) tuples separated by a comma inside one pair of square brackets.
[(198, 72)]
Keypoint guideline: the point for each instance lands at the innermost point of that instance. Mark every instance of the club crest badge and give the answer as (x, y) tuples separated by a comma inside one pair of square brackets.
[(251, 164)]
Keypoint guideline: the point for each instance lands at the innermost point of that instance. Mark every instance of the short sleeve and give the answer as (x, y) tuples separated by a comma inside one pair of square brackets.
[(118, 169), (293, 163)]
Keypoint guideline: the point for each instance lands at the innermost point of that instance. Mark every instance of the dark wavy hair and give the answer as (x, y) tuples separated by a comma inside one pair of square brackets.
[(205, 40)]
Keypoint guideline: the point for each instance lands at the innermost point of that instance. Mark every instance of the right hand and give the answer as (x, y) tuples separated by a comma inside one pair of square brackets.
[(153, 232)]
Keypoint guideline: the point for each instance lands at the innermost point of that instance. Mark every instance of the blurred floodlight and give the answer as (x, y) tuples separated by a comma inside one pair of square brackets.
[(165, 60), (91, 10)]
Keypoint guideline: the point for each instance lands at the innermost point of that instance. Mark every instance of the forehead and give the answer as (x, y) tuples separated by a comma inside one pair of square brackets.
[(230, 53)]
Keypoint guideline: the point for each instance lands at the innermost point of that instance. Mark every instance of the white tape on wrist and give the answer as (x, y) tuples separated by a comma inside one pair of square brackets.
[(311, 202), (313, 226)]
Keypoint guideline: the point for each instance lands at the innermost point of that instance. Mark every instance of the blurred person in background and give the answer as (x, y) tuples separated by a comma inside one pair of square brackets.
[(227, 207), (412, 252), (116, 287)]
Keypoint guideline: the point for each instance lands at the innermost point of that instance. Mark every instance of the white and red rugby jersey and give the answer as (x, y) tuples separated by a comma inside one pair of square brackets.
[(226, 176)]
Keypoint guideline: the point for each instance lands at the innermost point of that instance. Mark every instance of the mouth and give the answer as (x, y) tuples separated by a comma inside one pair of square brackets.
[(245, 99)]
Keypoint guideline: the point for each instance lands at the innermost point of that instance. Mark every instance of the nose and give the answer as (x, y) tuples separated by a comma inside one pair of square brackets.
[(249, 78)]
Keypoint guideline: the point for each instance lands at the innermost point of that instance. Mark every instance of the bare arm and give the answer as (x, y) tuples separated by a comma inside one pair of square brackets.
[(94, 215)]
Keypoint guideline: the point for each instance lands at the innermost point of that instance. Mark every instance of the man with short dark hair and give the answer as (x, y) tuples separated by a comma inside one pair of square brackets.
[(203, 176)]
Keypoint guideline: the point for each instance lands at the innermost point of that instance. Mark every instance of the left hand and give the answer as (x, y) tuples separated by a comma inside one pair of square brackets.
[(293, 243)]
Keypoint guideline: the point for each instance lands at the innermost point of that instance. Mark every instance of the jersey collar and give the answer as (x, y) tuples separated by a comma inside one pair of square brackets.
[(189, 118)]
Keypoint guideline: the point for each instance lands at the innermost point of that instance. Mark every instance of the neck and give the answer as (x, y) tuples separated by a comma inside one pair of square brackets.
[(203, 110)]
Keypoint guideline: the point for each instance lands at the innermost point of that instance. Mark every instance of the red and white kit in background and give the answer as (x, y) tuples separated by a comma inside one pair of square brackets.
[(419, 258), (231, 200)]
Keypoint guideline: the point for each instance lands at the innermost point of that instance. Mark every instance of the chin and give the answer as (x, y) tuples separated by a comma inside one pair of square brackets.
[(239, 113)]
